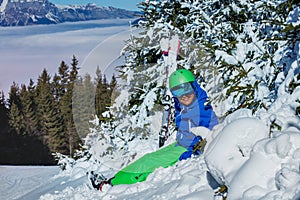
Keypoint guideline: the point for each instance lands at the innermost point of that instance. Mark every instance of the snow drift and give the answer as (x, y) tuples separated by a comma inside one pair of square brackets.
[(240, 155), (251, 164)]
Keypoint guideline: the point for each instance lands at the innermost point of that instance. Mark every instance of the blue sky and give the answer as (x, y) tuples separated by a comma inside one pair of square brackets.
[(125, 4)]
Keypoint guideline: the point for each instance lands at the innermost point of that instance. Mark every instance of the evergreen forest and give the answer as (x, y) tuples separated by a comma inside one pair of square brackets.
[(36, 120)]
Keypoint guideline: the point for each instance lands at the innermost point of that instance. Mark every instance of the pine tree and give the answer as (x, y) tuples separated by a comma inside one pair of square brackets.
[(66, 108), (113, 88), (99, 86), (3, 113), (216, 34), (225, 28), (76, 85), (27, 98), (60, 81), (74, 69), (165, 12), (105, 96), (16, 117), (83, 104), (50, 117)]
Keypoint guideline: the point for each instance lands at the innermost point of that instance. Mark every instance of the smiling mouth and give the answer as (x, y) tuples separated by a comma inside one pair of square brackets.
[(186, 96)]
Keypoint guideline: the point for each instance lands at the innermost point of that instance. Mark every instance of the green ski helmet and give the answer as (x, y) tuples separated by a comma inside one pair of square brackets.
[(179, 77)]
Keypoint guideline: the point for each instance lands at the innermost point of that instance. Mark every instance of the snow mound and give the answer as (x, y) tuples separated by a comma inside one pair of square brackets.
[(252, 165), (186, 180), (231, 148), (239, 153), (276, 175)]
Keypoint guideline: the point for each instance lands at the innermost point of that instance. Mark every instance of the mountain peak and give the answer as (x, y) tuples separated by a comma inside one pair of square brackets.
[(31, 12)]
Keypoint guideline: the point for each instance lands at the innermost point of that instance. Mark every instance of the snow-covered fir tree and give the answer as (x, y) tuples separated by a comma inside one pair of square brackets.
[(245, 54)]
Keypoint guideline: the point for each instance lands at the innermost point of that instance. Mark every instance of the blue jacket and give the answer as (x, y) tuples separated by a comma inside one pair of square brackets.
[(196, 114)]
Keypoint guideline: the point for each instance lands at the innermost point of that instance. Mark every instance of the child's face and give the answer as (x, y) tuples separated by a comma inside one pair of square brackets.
[(187, 99)]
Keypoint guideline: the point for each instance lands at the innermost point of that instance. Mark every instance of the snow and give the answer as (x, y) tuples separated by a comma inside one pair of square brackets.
[(186, 181), (244, 152), (21, 181), (240, 155), (232, 146), (3, 5), (275, 164), (228, 58)]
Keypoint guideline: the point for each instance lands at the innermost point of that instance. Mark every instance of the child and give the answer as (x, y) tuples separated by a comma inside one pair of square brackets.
[(191, 110)]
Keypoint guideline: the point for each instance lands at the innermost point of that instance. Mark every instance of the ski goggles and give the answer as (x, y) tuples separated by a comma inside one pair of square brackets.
[(182, 89)]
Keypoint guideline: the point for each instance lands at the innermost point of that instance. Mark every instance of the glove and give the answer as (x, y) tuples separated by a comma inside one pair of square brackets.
[(185, 155), (190, 150)]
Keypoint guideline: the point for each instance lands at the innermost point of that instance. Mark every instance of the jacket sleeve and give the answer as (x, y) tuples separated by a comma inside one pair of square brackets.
[(208, 117)]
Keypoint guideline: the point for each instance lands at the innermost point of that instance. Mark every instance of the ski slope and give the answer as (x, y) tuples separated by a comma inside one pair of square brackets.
[(17, 182), (239, 154)]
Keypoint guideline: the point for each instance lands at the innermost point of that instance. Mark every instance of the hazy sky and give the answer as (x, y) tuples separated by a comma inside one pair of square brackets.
[(125, 4), (25, 51)]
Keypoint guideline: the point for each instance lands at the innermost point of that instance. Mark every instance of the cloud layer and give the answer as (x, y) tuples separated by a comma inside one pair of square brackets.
[(25, 51)]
